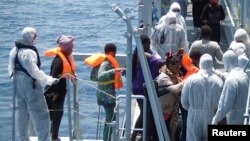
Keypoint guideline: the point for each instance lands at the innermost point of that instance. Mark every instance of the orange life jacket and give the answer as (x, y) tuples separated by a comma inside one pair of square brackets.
[(187, 63), (68, 61), (97, 59)]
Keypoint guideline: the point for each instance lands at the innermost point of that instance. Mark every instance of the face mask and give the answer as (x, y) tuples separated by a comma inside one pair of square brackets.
[(171, 26), (177, 13)]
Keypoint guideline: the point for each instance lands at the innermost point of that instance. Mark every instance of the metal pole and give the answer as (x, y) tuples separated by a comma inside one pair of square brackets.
[(144, 115), (229, 13), (128, 68), (144, 123), (246, 114), (14, 109), (154, 102), (77, 132), (117, 132), (69, 108), (243, 10), (146, 16)]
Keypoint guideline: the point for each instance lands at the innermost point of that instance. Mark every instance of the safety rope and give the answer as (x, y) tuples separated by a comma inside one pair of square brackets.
[(92, 119), (96, 88)]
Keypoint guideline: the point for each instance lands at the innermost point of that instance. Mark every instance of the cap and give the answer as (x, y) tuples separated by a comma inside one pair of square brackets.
[(65, 42)]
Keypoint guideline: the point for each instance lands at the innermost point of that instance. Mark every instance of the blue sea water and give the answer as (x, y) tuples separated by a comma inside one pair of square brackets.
[(91, 22)]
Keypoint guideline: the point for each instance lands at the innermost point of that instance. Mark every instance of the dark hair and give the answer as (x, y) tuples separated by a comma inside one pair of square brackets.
[(195, 55), (144, 39), (206, 32), (110, 47), (172, 58)]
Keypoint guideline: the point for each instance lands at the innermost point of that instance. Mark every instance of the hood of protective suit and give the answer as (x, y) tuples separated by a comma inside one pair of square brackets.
[(170, 17), (243, 60), (206, 64), (230, 60), (238, 48), (174, 6), (241, 36), (29, 35), (162, 20)]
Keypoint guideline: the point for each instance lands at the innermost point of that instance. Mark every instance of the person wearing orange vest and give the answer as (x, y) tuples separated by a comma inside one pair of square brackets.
[(62, 65), (106, 92), (188, 67)]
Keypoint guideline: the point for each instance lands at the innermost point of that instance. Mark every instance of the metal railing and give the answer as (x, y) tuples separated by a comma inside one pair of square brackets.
[(247, 110)]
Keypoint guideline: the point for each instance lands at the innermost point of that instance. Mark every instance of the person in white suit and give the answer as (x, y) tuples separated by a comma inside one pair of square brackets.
[(200, 96), (233, 99), (24, 67)]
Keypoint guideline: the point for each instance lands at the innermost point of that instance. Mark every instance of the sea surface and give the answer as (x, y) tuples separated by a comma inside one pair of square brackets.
[(91, 22)]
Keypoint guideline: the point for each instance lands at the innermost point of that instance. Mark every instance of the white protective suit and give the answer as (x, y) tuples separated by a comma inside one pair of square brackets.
[(168, 36), (242, 36), (233, 99), (31, 102), (243, 61), (238, 48), (200, 96), (179, 18)]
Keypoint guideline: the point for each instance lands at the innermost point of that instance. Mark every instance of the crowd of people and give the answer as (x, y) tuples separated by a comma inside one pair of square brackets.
[(193, 87)]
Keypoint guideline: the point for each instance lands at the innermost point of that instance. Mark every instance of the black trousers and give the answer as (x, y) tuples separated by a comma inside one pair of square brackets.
[(56, 112)]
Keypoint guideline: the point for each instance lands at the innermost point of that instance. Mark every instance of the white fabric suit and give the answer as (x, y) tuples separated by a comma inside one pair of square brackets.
[(168, 36), (30, 99), (241, 36), (232, 102), (200, 96)]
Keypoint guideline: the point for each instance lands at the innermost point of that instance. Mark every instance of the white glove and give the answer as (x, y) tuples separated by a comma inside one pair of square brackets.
[(55, 81), (51, 81)]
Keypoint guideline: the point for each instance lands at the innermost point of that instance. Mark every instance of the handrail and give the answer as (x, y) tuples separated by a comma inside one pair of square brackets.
[(229, 13), (144, 116), (156, 110), (77, 132), (14, 109), (69, 108), (246, 114), (128, 66)]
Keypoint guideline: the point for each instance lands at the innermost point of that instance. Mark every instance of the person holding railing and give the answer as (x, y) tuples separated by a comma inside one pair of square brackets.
[(169, 103), (109, 80), (24, 67), (62, 66)]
